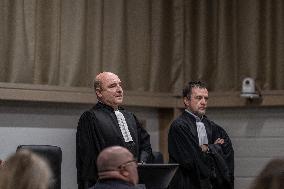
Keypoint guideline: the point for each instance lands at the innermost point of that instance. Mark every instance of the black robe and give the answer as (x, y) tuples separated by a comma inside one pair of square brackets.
[(195, 166), (97, 129)]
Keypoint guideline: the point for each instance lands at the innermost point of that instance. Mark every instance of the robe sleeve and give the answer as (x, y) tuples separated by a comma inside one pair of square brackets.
[(225, 150), (183, 149), (87, 149), (145, 149)]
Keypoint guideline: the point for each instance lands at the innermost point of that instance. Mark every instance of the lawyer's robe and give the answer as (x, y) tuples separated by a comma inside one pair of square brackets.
[(97, 129), (183, 147)]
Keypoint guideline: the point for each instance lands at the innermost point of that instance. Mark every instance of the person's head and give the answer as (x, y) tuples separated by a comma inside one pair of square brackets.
[(195, 97), (271, 177), (108, 89), (117, 162), (25, 170)]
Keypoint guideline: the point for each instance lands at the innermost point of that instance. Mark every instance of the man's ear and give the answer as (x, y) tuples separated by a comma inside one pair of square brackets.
[(98, 92), (186, 101), (124, 172)]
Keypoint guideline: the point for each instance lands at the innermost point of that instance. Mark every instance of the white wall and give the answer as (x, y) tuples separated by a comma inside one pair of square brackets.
[(257, 135), (53, 124)]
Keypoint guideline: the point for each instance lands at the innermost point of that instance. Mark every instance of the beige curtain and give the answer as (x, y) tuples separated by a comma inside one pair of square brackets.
[(153, 45)]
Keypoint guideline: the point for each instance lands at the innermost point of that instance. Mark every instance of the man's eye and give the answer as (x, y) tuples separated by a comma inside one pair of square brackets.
[(199, 97)]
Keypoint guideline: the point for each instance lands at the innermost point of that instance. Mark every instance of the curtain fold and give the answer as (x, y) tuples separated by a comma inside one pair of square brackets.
[(153, 45)]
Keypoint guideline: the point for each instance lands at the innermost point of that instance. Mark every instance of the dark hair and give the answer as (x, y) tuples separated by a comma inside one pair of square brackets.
[(186, 92), (271, 176)]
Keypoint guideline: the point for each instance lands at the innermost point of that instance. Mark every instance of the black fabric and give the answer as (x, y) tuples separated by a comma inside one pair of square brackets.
[(220, 173), (113, 184), (158, 157), (53, 156), (199, 169), (97, 129)]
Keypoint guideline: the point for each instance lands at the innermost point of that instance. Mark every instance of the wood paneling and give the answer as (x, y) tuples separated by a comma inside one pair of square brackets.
[(82, 95), (165, 119)]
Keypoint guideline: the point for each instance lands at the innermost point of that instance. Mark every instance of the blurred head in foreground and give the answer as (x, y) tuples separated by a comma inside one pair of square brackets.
[(271, 177), (25, 170)]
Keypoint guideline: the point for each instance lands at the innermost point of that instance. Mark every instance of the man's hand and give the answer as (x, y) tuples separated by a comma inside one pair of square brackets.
[(219, 141), (204, 147)]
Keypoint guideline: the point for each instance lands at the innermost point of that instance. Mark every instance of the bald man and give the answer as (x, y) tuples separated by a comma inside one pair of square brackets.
[(117, 169), (107, 124)]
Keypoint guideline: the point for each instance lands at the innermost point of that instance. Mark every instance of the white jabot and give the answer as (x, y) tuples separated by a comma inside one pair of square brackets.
[(202, 135), (123, 126), (201, 131)]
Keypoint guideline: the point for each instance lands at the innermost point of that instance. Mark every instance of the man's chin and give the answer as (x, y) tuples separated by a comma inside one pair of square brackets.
[(118, 102), (201, 113)]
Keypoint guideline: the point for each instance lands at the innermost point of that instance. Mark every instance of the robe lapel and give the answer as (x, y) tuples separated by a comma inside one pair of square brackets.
[(191, 125), (115, 122), (208, 129)]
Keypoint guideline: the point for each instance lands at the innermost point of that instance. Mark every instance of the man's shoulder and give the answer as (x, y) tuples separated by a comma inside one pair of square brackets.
[(178, 120), (89, 111), (214, 126), (94, 111), (184, 117), (181, 120), (208, 121)]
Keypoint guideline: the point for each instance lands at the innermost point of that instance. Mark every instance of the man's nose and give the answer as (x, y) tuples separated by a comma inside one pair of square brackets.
[(119, 88), (203, 101)]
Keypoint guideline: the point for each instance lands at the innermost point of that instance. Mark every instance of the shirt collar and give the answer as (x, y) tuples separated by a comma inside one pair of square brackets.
[(101, 104), (198, 119)]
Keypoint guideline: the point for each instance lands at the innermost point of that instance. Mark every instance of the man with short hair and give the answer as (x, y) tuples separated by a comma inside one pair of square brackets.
[(117, 169), (107, 124), (201, 147)]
